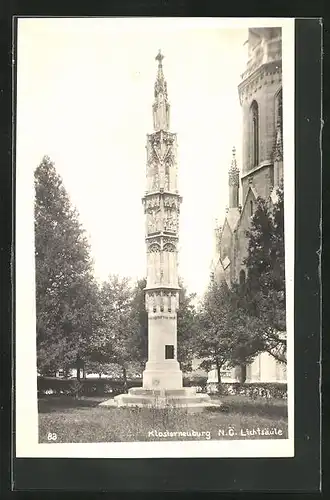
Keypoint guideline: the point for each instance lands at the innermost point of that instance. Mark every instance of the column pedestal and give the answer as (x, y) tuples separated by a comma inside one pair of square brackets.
[(165, 375), (185, 398)]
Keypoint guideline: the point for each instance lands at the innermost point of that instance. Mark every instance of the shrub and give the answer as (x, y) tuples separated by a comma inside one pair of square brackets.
[(199, 382), (114, 386), (76, 388), (253, 390), (84, 387)]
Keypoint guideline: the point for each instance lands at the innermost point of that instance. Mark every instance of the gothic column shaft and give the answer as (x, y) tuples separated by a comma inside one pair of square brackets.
[(161, 204)]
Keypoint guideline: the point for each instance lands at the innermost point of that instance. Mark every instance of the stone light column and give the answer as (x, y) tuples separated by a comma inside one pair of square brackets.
[(162, 377), (162, 207)]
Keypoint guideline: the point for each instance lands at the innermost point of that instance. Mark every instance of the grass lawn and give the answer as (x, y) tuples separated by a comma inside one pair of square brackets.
[(67, 420)]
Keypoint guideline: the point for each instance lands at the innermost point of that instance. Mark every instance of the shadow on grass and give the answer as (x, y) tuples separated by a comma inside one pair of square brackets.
[(53, 404)]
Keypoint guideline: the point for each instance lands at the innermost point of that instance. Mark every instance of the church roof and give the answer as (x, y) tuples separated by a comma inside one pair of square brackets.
[(232, 217), (254, 192), (220, 273)]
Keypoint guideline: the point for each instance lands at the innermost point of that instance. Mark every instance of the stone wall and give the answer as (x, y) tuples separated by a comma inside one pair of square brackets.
[(263, 369), (240, 240), (226, 242), (263, 91)]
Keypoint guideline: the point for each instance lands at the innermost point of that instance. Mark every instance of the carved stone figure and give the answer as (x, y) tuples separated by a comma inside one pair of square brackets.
[(171, 202), (151, 223), (167, 302), (167, 182), (173, 302), (154, 222), (158, 301), (171, 222), (177, 301), (155, 184), (152, 203), (158, 221), (150, 302)]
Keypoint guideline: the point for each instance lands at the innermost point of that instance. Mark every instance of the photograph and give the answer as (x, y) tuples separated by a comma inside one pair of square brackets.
[(154, 237)]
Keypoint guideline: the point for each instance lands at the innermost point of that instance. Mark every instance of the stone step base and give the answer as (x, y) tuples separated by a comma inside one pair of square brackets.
[(123, 399), (147, 399), (140, 391)]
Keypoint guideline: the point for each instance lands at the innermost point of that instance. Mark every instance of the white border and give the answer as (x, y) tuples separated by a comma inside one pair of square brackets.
[(26, 384)]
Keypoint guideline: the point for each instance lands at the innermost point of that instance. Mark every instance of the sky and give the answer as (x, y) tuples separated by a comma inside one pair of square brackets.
[(84, 97)]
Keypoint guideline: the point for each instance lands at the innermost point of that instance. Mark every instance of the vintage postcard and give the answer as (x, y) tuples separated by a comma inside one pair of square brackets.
[(154, 237)]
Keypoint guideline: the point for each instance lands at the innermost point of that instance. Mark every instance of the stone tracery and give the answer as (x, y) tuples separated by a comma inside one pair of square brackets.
[(169, 247)]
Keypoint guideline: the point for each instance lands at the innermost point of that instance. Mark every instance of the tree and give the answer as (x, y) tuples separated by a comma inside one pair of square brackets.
[(117, 341), (66, 292), (226, 334), (260, 245), (265, 288), (187, 327), (140, 311)]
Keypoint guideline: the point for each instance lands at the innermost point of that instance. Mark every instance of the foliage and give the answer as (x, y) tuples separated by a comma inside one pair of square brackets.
[(226, 335), (264, 293), (140, 311), (276, 390), (86, 387), (66, 292), (197, 381), (117, 340), (187, 327)]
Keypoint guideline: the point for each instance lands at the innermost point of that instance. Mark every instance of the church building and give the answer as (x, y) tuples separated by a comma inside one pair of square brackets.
[(261, 172)]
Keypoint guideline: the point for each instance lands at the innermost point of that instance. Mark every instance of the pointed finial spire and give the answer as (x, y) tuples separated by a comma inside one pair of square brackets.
[(233, 161), (278, 147), (161, 106), (233, 181), (233, 169), (160, 84), (233, 165), (159, 57)]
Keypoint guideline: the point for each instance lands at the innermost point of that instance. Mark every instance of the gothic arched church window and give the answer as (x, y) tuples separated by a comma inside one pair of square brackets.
[(242, 277), (254, 112), (251, 208)]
